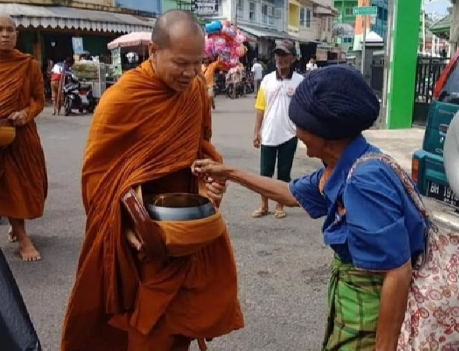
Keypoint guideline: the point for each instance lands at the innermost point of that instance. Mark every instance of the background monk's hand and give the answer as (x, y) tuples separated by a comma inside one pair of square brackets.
[(18, 118)]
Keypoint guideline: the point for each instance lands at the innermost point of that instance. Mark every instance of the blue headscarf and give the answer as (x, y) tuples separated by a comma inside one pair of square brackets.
[(334, 103)]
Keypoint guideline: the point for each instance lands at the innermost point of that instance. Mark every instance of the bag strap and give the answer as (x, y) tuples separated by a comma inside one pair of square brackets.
[(406, 180), (411, 190)]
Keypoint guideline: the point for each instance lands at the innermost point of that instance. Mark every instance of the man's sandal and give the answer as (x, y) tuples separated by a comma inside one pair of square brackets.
[(260, 213), (279, 214)]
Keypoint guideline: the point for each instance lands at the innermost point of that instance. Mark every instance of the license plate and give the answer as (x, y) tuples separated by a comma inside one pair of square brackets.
[(442, 193)]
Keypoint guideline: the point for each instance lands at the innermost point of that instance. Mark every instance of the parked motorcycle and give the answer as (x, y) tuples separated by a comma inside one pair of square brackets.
[(78, 96)]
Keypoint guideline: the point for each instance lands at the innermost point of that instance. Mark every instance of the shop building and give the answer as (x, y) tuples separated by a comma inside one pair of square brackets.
[(56, 32)]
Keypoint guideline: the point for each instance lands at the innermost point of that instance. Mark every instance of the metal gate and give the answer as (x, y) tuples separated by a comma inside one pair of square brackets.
[(377, 74), (428, 71)]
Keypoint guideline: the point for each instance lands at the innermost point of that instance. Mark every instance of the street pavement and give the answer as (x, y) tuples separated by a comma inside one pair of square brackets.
[(283, 264)]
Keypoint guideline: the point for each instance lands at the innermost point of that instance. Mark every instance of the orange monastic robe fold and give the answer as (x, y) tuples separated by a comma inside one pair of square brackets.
[(23, 179), (144, 133)]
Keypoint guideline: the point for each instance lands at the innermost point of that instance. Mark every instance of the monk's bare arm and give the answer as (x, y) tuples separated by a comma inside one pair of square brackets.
[(37, 96), (273, 189), (394, 297)]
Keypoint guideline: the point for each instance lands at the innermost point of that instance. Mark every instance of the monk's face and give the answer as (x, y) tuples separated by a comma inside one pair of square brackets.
[(8, 34), (179, 63)]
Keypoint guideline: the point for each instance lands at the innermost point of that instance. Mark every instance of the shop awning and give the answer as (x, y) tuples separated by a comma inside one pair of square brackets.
[(74, 18), (442, 27), (324, 10), (267, 33)]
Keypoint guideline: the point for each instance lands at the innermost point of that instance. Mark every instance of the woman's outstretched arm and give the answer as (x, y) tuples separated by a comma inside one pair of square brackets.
[(275, 190)]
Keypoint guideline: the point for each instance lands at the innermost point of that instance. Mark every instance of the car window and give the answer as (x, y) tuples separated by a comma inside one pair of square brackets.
[(450, 92)]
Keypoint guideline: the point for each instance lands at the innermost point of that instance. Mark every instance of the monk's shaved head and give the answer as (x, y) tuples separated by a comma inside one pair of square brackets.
[(6, 18), (174, 21), (8, 33)]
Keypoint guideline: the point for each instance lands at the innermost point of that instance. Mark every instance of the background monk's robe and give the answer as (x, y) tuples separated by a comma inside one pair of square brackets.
[(23, 180), (144, 133)]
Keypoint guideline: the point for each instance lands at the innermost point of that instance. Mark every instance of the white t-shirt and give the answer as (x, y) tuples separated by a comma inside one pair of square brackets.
[(257, 70), (57, 68), (274, 99), (311, 66)]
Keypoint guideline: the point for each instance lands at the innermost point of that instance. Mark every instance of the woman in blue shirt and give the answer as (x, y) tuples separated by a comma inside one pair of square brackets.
[(371, 223)]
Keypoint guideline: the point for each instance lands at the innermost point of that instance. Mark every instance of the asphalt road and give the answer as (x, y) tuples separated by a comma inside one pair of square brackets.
[(283, 264)]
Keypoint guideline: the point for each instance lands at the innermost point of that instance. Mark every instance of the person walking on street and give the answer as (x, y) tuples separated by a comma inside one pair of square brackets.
[(208, 70), (23, 178), (274, 133), (257, 70)]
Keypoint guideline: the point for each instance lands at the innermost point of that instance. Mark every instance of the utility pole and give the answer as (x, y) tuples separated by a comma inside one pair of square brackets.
[(364, 44), (381, 124)]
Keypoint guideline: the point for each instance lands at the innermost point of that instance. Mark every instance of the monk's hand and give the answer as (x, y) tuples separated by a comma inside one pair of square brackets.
[(132, 239), (215, 189), (18, 118), (207, 168)]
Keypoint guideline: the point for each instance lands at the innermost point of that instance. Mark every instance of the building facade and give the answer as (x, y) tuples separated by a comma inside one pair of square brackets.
[(51, 32), (176, 5), (148, 6), (346, 17)]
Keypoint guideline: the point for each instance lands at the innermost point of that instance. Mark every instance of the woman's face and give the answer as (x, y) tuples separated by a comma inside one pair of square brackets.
[(315, 146)]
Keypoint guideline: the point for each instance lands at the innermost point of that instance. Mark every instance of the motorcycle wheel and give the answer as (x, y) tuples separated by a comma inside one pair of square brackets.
[(67, 106)]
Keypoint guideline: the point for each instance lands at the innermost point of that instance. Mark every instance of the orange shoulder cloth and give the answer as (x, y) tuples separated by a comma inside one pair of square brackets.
[(13, 68), (141, 131)]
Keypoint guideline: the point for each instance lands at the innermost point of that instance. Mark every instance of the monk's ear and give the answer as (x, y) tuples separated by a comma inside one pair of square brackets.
[(152, 49)]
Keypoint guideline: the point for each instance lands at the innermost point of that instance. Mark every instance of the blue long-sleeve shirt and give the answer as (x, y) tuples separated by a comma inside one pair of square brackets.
[(381, 228)]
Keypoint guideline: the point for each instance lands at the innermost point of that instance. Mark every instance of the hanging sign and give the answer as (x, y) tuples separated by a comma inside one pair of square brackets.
[(205, 7), (77, 44)]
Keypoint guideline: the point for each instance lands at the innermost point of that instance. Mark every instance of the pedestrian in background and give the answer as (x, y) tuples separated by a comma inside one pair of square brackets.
[(257, 70), (274, 132), (23, 177)]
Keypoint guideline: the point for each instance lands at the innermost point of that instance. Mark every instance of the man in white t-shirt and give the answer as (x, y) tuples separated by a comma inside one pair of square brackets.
[(312, 65), (257, 70), (275, 134)]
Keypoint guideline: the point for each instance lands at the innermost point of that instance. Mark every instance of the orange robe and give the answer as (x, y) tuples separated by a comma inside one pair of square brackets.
[(23, 179), (209, 72), (144, 133)]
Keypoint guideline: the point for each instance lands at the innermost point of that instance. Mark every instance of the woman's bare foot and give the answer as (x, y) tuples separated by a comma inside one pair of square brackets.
[(12, 238), (28, 251)]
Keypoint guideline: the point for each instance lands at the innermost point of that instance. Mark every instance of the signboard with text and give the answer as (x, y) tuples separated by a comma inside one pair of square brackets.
[(77, 45), (205, 7), (366, 11)]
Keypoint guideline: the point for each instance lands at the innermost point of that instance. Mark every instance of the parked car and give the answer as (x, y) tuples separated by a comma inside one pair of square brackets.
[(428, 169)]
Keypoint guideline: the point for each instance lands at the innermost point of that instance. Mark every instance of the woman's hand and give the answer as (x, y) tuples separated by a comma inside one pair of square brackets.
[(210, 169), (215, 176)]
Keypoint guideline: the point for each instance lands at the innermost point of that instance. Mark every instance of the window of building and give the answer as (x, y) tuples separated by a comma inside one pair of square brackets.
[(252, 13), (264, 13), (271, 10), (305, 17), (240, 5), (349, 11)]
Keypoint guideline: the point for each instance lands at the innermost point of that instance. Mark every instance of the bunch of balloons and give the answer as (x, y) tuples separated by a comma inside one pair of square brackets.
[(226, 41)]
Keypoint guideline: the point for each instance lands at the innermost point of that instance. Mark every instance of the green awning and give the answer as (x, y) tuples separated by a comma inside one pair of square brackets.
[(442, 27)]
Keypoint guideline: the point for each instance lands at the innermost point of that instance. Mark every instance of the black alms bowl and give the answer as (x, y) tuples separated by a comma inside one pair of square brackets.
[(179, 207)]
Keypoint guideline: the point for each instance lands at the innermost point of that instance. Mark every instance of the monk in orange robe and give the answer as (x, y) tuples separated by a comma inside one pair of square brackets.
[(147, 131), (23, 179)]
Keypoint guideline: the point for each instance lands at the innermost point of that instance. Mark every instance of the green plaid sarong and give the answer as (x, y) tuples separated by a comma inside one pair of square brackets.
[(353, 299)]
